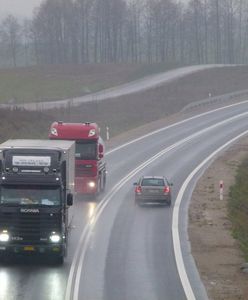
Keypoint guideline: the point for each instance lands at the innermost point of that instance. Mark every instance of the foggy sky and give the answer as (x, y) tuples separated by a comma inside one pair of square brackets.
[(20, 8), (23, 8)]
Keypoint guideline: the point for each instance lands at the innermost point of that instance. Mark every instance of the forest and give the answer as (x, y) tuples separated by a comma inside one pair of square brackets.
[(119, 31)]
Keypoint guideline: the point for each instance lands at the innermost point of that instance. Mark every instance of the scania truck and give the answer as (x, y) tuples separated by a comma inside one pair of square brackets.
[(90, 169), (36, 192)]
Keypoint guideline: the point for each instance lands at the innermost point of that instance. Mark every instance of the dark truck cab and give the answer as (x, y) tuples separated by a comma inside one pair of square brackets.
[(36, 192)]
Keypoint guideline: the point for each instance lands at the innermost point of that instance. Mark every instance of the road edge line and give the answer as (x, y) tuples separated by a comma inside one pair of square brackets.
[(175, 220)]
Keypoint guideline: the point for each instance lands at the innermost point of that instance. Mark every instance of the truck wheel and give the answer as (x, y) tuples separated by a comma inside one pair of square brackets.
[(97, 193), (103, 183)]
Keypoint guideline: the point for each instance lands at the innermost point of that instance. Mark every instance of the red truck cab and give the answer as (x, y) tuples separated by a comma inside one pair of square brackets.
[(90, 168)]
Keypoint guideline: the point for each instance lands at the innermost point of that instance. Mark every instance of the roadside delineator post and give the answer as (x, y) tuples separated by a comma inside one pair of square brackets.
[(107, 133), (221, 189)]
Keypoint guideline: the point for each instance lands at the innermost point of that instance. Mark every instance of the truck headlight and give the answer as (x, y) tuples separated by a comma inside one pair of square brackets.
[(91, 184), (54, 237), (54, 131), (4, 236)]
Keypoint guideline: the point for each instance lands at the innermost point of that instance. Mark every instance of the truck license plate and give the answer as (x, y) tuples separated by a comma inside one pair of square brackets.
[(29, 248)]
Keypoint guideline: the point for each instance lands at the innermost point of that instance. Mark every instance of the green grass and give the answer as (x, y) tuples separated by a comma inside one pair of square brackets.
[(21, 124), (47, 83), (238, 207), (32, 88)]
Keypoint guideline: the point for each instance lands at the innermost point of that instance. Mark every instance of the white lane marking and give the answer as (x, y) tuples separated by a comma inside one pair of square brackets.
[(173, 125), (175, 220), (76, 266), (99, 211)]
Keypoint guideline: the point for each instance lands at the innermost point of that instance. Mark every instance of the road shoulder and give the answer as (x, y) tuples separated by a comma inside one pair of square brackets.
[(216, 252)]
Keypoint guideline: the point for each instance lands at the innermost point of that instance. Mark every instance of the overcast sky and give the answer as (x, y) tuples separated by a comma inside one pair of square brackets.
[(21, 8)]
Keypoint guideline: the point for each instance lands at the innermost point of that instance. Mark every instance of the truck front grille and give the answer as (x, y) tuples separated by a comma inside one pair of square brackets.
[(81, 170), (29, 228)]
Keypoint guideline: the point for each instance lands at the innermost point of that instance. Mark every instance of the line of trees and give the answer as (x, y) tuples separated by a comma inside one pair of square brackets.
[(83, 31)]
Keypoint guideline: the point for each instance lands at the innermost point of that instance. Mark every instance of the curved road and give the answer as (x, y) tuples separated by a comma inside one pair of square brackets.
[(124, 89), (119, 251)]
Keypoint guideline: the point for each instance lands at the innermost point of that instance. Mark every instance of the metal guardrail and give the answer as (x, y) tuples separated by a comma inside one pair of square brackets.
[(216, 99)]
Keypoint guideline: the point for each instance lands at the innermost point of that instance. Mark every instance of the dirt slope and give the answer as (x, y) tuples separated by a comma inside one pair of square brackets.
[(216, 253)]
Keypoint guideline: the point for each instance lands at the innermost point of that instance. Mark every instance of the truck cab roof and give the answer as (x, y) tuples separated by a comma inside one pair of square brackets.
[(36, 144), (74, 131)]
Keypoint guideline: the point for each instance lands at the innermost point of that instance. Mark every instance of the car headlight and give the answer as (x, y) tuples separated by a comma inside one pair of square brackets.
[(54, 237), (91, 184), (4, 236)]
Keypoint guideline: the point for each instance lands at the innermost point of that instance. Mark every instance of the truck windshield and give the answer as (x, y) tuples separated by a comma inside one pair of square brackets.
[(86, 150), (30, 195)]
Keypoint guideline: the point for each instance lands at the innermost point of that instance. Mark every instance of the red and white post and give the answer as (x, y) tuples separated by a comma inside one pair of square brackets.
[(221, 189)]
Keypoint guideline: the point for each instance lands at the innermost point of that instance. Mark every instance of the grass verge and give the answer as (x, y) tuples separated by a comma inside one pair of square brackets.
[(56, 82), (238, 207)]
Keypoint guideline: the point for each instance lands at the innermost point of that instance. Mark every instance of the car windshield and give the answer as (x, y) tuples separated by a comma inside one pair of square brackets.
[(86, 150), (15, 195), (152, 182)]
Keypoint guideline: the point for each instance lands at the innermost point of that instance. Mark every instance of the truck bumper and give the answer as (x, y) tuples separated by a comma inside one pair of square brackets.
[(86, 185), (57, 250)]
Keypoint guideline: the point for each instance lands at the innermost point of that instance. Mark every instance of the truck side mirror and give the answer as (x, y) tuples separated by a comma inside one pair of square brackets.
[(69, 199)]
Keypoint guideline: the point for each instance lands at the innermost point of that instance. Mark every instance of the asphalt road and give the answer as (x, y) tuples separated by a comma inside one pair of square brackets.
[(119, 251), (124, 89)]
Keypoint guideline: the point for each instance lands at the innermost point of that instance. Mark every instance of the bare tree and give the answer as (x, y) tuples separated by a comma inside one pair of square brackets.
[(10, 29), (216, 9), (133, 31), (81, 31), (206, 34), (85, 15), (27, 41)]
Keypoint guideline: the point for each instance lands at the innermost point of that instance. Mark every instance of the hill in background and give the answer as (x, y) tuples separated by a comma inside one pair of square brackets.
[(119, 114)]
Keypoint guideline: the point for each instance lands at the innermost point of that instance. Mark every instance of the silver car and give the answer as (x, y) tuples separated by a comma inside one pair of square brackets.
[(153, 190)]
